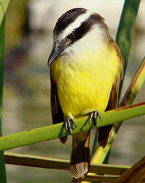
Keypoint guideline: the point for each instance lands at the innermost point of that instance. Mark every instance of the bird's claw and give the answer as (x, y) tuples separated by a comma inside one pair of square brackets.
[(67, 123), (93, 116)]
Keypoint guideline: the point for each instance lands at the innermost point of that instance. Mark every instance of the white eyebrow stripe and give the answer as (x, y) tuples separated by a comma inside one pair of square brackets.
[(75, 24)]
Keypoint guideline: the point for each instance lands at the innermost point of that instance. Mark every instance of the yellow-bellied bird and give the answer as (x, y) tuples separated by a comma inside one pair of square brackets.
[(85, 72)]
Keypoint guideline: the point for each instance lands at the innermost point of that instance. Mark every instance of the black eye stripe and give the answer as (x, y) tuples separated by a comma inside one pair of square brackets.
[(67, 18), (79, 32)]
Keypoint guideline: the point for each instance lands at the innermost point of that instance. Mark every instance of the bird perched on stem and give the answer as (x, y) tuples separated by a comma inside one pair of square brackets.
[(85, 72)]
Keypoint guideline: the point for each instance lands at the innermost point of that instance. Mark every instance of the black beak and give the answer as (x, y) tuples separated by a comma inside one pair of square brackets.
[(54, 54)]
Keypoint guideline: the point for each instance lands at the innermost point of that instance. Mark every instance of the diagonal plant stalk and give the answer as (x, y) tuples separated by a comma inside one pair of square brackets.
[(135, 174), (123, 39), (58, 130), (2, 50), (3, 8), (135, 85)]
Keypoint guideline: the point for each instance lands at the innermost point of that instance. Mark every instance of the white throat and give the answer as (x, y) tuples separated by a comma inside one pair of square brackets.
[(95, 39)]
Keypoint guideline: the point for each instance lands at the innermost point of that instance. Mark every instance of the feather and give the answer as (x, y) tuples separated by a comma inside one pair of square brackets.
[(80, 157), (56, 111)]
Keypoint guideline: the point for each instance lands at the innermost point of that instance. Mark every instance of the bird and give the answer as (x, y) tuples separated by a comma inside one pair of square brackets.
[(86, 67)]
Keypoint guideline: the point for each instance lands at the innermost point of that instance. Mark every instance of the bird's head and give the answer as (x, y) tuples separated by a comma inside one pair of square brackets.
[(79, 28)]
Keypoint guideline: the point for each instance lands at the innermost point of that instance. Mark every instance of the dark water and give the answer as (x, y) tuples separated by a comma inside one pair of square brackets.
[(26, 106)]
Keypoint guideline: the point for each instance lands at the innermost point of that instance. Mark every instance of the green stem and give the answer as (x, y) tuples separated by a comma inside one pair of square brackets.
[(58, 130), (135, 85), (2, 50), (133, 89), (126, 29), (3, 8)]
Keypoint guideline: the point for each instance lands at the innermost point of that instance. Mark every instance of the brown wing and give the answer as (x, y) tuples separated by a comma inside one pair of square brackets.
[(112, 104), (104, 131), (56, 111)]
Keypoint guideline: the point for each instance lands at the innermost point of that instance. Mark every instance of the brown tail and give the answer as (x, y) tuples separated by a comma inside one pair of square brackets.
[(80, 157)]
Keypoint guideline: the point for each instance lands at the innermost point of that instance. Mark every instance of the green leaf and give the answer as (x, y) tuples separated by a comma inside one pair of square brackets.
[(126, 27), (125, 31), (3, 8), (2, 50), (135, 85)]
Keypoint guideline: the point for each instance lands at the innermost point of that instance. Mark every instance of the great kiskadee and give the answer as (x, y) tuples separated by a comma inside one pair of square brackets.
[(85, 72)]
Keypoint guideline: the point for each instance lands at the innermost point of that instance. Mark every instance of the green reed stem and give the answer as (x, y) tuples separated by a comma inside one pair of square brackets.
[(2, 52)]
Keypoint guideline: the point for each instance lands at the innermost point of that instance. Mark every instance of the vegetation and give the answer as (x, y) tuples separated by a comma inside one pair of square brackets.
[(2, 45)]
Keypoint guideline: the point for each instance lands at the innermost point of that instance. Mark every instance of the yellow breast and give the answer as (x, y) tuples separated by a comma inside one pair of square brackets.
[(84, 81)]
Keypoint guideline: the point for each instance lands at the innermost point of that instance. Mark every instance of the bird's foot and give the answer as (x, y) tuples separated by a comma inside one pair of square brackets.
[(67, 122), (93, 116)]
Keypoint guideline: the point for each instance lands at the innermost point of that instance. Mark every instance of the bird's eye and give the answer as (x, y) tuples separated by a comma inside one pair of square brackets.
[(70, 36), (69, 41)]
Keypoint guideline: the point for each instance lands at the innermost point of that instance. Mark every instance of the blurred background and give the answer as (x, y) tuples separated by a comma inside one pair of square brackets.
[(26, 105)]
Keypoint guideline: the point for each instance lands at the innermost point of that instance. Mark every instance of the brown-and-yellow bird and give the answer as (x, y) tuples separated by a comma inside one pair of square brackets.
[(85, 72)]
